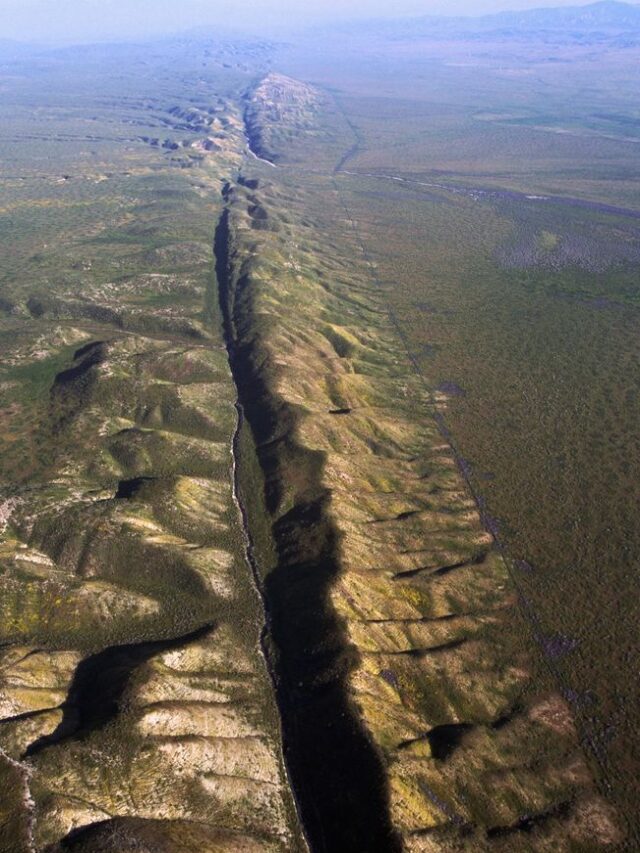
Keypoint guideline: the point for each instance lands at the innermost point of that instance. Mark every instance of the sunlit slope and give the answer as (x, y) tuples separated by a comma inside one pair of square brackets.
[(540, 391), (282, 126), (137, 710)]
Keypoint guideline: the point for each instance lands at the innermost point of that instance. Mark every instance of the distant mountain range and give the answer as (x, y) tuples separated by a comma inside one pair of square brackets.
[(606, 19), (607, 15), (10, 50)]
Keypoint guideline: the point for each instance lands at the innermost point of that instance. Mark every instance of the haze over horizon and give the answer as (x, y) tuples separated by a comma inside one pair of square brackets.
[(82, 20)]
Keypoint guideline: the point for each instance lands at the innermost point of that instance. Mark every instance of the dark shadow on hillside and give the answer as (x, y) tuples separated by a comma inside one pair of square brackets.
[(99, 683), (337, 774)]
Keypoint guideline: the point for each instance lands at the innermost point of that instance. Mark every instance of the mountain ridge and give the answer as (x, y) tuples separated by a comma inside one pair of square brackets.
[(608, 18)]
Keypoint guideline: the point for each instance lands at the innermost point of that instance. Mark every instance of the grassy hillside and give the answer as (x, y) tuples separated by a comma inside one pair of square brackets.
[(135, 697)]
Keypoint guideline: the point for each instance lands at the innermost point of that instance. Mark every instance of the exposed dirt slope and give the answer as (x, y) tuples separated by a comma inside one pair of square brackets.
[(282, 120)]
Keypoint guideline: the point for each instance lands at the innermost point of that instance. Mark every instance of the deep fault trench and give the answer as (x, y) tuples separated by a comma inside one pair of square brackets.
[(334, 772)]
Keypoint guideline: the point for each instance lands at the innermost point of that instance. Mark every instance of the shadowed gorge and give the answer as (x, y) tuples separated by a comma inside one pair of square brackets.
[(337, 775)]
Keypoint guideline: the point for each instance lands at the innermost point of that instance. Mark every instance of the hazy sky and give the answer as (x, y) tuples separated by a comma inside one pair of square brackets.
[(90, 19)]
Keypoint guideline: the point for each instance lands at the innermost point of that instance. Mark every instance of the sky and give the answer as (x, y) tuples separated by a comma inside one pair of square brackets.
[(82, 20)]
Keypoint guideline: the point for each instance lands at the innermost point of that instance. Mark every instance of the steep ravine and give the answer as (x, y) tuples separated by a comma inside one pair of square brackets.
[(335, 772), (252, 561)]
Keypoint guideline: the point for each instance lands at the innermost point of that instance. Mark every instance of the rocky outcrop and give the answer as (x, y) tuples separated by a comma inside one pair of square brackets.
[(283, 117)]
